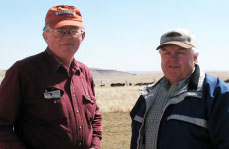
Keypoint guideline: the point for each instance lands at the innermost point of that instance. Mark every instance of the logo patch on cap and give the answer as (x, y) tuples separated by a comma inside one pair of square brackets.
[(173, 34), (65, 12)]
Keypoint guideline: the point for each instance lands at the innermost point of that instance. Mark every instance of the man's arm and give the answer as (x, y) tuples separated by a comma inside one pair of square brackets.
[(96, 124), (10, 100), (218, 113), (97, 130)]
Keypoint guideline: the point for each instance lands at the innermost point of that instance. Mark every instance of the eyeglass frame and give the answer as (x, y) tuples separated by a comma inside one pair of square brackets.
[(79, 31)]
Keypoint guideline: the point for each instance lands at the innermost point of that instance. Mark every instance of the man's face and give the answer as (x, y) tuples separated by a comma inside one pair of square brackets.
[(63, 46), (177, 62)]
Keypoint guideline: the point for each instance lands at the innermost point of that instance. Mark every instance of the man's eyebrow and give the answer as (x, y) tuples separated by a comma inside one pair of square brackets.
[(182, 49), (163, 49)]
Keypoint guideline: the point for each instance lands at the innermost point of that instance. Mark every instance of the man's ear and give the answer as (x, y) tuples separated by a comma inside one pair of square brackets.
[(45, 36), (83, 36), (196, 58)]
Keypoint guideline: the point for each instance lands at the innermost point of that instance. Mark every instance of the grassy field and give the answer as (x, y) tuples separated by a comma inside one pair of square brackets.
[(115, 104), (116, 99), (116, 130)]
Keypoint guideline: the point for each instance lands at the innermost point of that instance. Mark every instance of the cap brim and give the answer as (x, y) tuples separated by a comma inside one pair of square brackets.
[(67, 23), (181, 44)]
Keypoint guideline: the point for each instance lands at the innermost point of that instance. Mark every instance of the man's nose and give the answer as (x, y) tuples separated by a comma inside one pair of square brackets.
[(174, 56)]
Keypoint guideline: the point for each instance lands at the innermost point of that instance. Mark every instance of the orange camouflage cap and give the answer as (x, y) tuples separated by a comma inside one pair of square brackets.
[(64, 15)]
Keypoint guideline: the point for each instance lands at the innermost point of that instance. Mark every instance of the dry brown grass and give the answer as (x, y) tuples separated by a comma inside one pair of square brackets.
[(116, 130), (222, 75), (116, 99)]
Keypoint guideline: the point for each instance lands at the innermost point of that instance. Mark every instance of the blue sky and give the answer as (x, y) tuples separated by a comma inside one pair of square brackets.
[(120, 34)]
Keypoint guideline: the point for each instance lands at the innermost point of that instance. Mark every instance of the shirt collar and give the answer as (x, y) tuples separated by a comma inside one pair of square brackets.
[(56, 63), (178, 85)]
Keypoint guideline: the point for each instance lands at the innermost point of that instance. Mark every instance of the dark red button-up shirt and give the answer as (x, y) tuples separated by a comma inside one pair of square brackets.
[(44, 105)]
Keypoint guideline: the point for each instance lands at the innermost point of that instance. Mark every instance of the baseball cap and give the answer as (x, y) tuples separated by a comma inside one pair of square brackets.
[(180, 37), (64, 15)]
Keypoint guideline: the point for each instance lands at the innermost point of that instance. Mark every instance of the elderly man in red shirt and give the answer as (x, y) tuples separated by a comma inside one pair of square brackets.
[(48, 100)]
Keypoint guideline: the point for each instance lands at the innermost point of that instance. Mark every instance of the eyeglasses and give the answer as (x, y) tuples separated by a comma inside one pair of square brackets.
[(74, 32)]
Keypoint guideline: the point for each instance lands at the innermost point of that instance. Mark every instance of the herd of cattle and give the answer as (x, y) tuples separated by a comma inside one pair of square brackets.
[(128, 84), (137, 84)]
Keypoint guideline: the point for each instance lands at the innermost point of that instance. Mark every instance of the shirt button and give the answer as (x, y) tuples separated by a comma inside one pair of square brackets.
[(80, 144), (77, 111), (80, 127)]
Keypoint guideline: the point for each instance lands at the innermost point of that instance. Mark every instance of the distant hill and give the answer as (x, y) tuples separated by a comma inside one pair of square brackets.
[(103, 75)]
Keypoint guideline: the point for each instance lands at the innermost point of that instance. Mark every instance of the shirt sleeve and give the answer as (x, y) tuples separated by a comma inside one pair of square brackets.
[(218, 113), (10, 100), (96, 124), (97, 130)]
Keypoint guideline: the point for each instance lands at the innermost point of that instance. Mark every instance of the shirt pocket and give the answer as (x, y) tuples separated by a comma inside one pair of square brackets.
[(49, 107), (90, 108)]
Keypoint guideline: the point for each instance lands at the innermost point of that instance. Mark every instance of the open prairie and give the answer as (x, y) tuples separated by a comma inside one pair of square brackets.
[(115, 104)]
